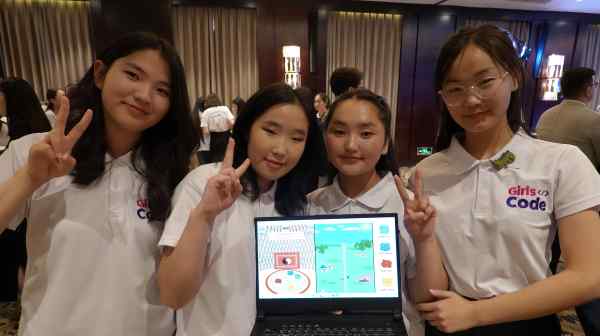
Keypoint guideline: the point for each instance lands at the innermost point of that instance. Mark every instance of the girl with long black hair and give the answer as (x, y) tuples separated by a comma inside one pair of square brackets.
[(207, 266), (96, 190)]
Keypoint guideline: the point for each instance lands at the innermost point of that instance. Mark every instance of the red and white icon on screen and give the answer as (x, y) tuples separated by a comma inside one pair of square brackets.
[(287, 260), (386, 263)]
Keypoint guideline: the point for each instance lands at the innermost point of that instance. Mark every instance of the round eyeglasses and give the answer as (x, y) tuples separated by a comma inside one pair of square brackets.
[(454, 94)]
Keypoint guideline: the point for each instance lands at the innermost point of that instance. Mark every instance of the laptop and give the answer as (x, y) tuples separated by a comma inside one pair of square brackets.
[(328, 275)]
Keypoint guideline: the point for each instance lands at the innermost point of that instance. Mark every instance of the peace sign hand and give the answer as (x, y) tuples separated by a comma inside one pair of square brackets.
[(51, 157), (225, 187), (419, 215)]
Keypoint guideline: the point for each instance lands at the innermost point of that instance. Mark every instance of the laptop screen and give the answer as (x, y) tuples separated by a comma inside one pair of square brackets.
[(343, 256)]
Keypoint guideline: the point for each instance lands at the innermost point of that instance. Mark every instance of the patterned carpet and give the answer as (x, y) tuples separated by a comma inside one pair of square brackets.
[(9, 321), (570, 324), (9, 318)]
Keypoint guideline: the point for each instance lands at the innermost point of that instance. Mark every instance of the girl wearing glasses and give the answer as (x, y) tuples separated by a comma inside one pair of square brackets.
[(501, 196)]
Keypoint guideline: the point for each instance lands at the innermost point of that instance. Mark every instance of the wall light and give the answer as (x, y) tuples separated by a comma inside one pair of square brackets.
[(291, 65), (551, 77), (445, 17)]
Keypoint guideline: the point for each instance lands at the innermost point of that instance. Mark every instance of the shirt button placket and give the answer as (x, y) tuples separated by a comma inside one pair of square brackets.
[(484, 186), (480, 192), (116, 200)]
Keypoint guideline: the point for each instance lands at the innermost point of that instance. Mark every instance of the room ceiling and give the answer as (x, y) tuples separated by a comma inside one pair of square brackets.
[(577, 6)]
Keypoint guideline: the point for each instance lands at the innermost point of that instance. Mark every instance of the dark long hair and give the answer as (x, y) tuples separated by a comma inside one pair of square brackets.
[(198, 105), (51, 94), (290, 195), (387, 162), (240, 103), (196, 112), (23, 109), (499, 47), (163, 152)]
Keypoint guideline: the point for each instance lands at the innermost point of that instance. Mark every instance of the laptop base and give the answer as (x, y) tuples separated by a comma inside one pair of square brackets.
[(330, 325)]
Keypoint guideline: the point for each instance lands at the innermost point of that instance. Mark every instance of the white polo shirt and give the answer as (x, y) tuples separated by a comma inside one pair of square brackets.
[(92, 254), (226, 302), (496, 227), (217, 118), (4, 138), (383, 197), (205, 141), (51, 116)]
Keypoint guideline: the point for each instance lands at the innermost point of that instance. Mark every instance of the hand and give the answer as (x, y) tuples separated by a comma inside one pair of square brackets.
[(419, 215), (225, 187), (451, 313), (51, 157)]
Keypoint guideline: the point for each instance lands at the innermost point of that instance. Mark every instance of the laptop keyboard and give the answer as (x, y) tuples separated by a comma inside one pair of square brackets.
[(312, 329)]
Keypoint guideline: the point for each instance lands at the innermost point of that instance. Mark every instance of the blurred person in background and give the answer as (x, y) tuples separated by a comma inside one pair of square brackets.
[(217, 120), (23, 115)]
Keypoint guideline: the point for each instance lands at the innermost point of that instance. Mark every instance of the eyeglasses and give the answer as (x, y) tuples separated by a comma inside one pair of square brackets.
[(455, 94)]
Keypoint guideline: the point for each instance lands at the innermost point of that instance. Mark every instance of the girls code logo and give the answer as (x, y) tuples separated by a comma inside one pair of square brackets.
[(143, 210), (526, 197)]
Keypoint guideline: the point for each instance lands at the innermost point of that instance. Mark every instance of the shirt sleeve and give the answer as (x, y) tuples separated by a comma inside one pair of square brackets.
[(10, 161), (51, 117), (230, 115), (577, 184), (187, 195), (203, 122)]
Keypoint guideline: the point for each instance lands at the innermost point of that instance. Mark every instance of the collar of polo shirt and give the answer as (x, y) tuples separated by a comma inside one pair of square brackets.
[(123, 160), (374, 198), (269, 196), (460, 161), (574, 102)]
